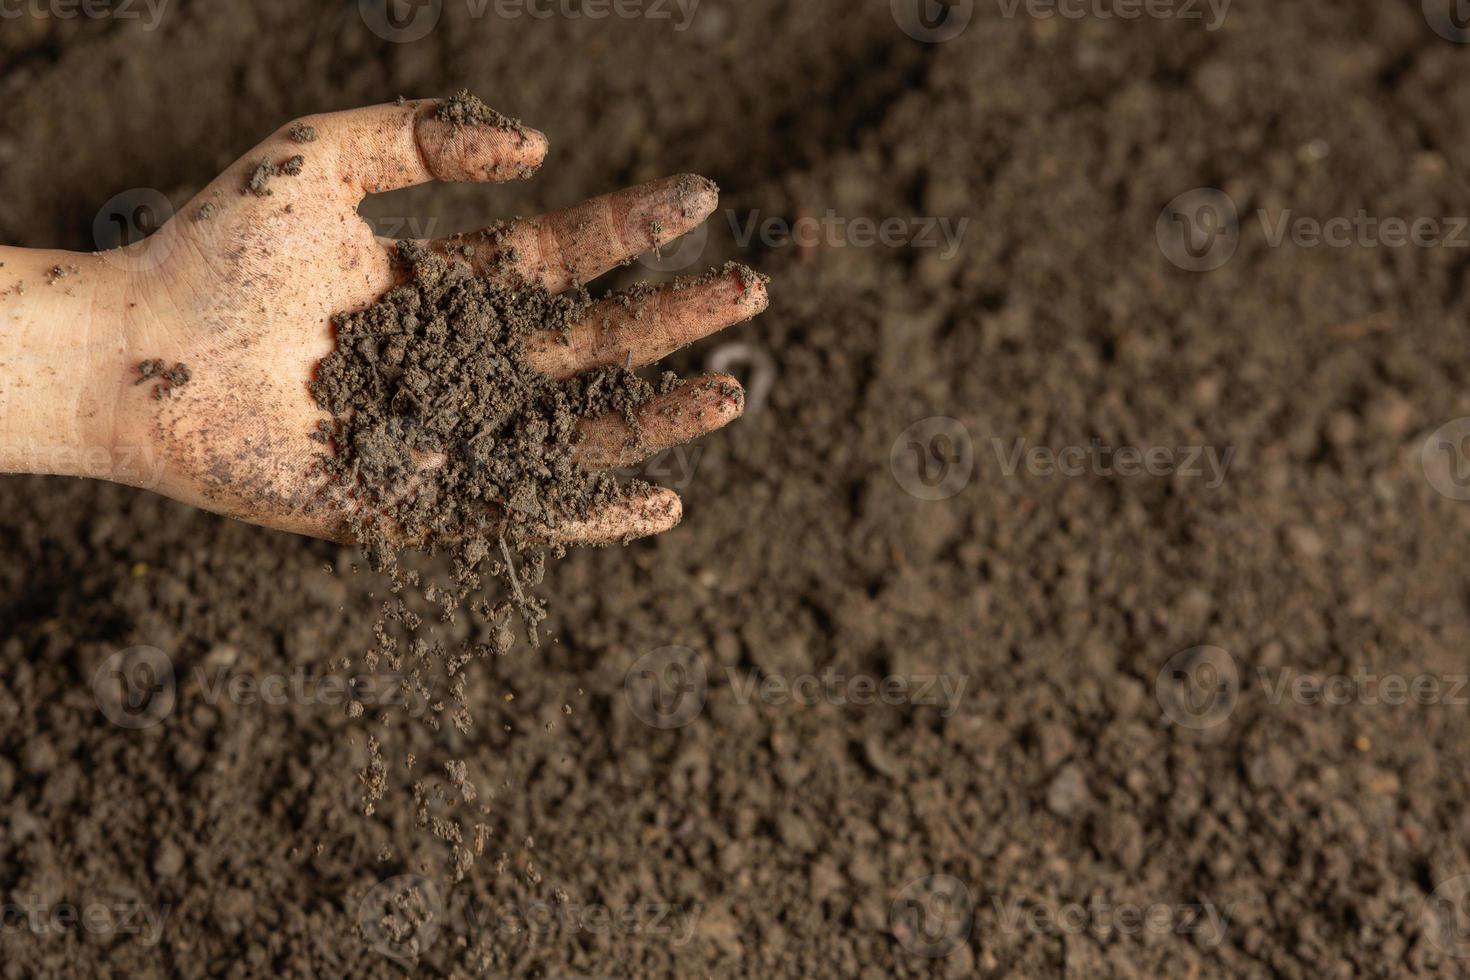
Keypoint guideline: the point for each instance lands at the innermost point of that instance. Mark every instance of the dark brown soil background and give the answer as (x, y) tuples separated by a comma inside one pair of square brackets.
[(786, 839)]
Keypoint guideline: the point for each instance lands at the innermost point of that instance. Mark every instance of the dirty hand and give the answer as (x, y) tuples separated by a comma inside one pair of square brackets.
[(240, 288)]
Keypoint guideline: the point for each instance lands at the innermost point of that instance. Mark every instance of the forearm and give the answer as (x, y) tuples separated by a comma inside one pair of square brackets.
[(62, 356)]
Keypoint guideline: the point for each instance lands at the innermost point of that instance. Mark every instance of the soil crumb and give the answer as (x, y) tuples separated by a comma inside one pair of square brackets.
[(169, 377), (261, 176), (465, 109), (302, 133)]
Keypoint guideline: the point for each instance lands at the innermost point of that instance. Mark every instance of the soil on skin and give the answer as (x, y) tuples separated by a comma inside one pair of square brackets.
[(770, 836)]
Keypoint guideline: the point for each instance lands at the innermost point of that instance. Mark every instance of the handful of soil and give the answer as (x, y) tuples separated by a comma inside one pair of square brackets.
[(446, 437), (442, 429)]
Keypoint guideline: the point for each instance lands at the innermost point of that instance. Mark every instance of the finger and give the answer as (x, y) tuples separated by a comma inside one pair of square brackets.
[(684, 414), (394, 145), (639, 328), (653, 512), (575, 245)]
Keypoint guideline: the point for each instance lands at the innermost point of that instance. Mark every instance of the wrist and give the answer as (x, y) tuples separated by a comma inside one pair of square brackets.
[(64, 357)]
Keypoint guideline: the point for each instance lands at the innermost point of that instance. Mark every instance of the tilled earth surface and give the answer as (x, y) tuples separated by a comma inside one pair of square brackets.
[(1015, 758)]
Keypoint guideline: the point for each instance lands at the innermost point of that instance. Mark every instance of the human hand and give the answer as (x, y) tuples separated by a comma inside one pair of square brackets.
[(241, 286)]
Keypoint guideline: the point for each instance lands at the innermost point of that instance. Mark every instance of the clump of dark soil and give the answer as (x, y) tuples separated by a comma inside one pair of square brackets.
[(467, 109), (444, 432), (260, 178), (169, 377), (445, 437)]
